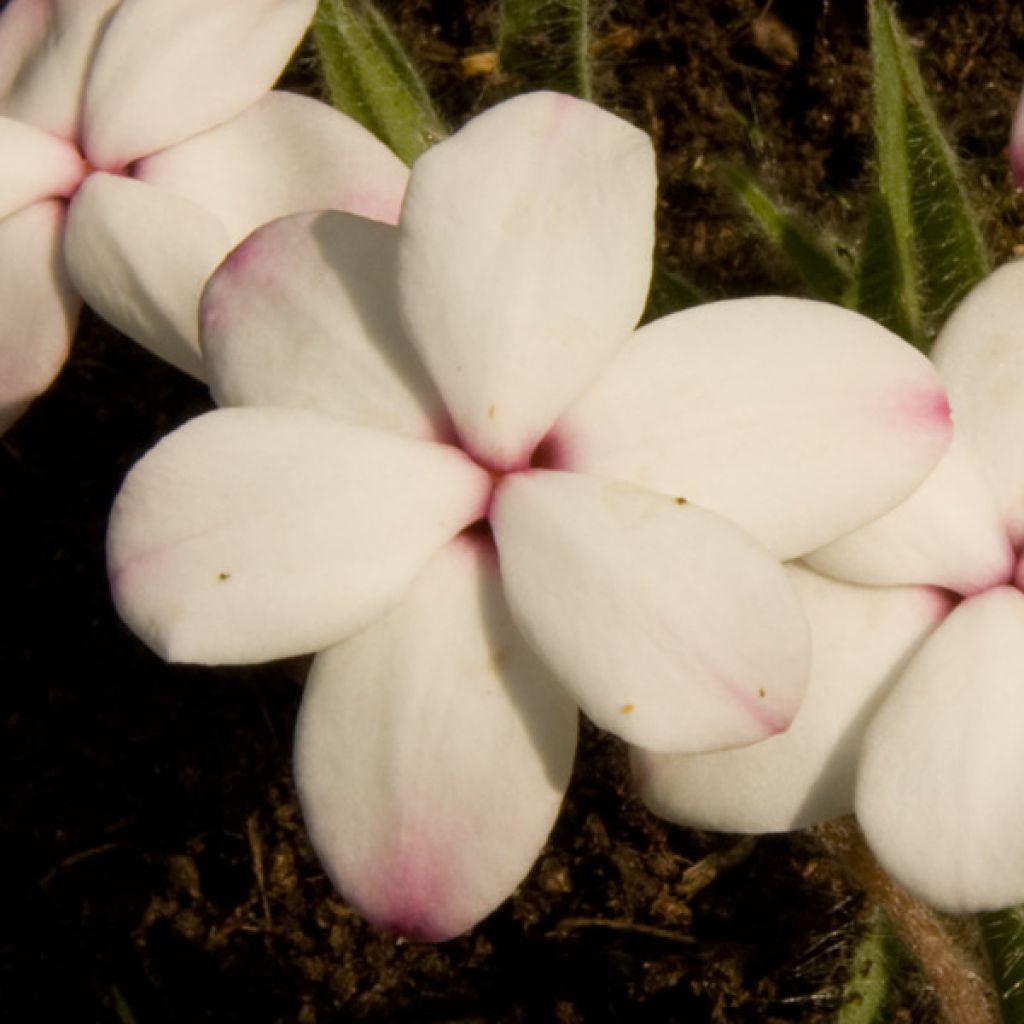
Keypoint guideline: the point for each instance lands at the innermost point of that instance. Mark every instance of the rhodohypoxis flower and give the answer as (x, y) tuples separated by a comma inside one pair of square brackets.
[(139, 145), (915, 712), (453, 468)]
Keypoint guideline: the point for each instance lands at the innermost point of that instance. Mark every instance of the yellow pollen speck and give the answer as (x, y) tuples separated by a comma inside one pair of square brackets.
[(223, 576), (491, 411), (761, 692), (680, 501), (628, 709)]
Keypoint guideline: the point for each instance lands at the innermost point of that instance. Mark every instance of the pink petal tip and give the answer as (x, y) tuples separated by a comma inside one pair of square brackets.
[(407, 892), (1017, 144)]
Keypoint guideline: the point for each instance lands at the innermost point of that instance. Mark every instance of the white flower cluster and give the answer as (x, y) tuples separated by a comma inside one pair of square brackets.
[(447, 461)]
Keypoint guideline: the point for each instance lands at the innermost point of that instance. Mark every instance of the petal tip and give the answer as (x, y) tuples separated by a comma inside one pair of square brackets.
[(1017, 145), (407, 893), (927, 408)]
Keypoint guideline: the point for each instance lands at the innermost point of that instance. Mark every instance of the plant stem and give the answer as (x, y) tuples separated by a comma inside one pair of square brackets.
[(965, 997)]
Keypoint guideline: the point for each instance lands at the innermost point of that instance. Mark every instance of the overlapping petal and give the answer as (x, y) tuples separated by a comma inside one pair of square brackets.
[(525, 258), (861, 639), (938, 791), (23, 25), (304, 314), (35, 166), (192, 64), (980, 354), (432, 753), (40, 308), (140, 257), (251, 534), (948, 533), (285, 154), (798, 420), (45, 50), (670, 626)]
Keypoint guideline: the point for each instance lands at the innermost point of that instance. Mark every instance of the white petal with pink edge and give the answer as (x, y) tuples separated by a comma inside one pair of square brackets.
[(938, 791), (524, 262), (432, 753), (140, 257), (1017, 143), (252, 534), (980, 355), (192, 64), (798, 420), (35, 166), (303, 314), (45, 50), (670, 626), (40, 307), (861, 639), (948, 534), (285, 154)]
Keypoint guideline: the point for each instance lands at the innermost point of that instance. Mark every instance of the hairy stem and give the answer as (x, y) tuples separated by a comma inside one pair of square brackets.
[(965, 996)]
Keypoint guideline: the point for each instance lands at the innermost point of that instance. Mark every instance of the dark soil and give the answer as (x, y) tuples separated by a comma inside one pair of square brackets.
[(155, 865)]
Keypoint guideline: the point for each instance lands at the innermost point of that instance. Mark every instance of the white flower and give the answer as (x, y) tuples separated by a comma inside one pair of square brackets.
[(915, 712), (458, 472), (139, 145)]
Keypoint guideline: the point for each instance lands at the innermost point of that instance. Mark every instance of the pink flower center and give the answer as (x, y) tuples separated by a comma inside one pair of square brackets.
[(79, 168)]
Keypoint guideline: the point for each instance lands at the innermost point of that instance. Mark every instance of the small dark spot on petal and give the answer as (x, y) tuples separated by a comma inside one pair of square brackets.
[(761, 692), (222, 576), (491, 411), (680, 501)]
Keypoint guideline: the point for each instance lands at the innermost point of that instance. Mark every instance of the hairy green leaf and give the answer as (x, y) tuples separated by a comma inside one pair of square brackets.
[(936, 243), (546, 43), (880, 291), (866, 993), (1003, 934), (814, 257), (669, 293), (369, 77)]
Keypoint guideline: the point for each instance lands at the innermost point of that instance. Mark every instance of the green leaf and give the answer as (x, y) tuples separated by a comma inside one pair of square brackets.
[(546, 43), (950, 249), (880, 292), (669, 293), (815, 258), (892, 222), (1003, 934), (936, 243), (369, 77), (866, 993)]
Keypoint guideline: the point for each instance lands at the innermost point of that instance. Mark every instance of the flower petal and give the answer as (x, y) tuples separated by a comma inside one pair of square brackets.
[(432, 753), (303, 314), (671, 627), (23, 25), (40, 307), (947, 533), (798, 420), (285, 154), (140, 257), (45, 50), (524, 262), (938, 792), (192, 64), (861, 639), (1017, 143), (35, 166), (981, 359), (251, 534)]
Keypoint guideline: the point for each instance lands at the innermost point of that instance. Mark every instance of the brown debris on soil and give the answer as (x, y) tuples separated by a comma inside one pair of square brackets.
[(156, 866)]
